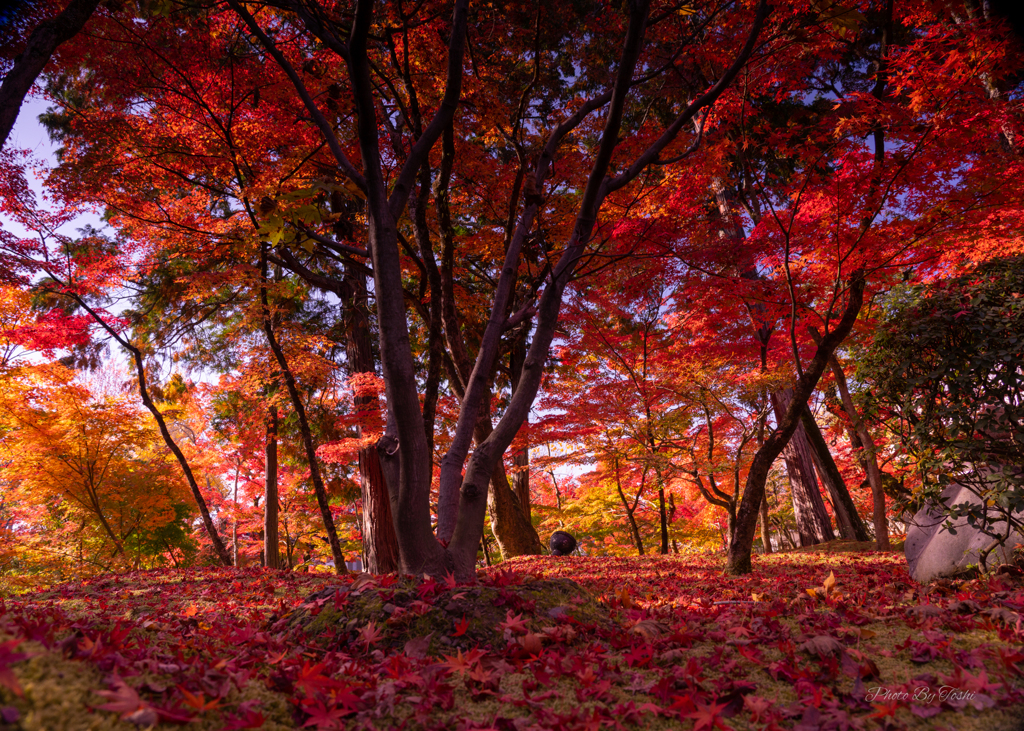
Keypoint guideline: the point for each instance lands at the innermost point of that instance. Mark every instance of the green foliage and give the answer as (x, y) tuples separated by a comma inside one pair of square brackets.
[(947, 369)]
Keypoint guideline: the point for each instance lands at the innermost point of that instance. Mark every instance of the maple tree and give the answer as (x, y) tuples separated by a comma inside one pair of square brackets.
[(886, 199), (281, 230), (404, 441), (92, 467)]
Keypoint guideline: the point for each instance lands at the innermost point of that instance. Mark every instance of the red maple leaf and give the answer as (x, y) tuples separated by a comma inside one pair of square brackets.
[(322, 717), (708, 716), (198, 701), (370, 634), (7, 658), (513, 623), (125, 700), (461, 626)]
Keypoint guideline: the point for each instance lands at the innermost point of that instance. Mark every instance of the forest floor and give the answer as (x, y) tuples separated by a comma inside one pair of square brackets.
[(827, 640)]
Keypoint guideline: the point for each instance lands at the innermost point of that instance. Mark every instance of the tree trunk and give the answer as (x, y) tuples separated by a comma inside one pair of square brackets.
[(27, 66), (766, 536), (634, 528), (521, 480), (848, 520), (868, 456), (234, 521), (738, 561), (271, 547), (514, 534), (211, 530), (812, 521), (521, 457), (322, 500), (513, 531), (663, 517), (380, 545)]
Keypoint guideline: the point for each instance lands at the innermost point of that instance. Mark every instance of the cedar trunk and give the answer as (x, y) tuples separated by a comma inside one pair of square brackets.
[(868, 457), (848, 520), (812, 521), (380, 546)]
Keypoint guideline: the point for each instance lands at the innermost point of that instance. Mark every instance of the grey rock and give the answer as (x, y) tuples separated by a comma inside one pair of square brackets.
[(933, 553)]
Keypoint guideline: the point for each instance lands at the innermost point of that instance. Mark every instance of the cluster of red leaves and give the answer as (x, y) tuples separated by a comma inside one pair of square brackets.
[(689, 648)]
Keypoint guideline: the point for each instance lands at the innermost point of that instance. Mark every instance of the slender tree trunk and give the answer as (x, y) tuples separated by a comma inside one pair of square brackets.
[(271, 539), (848, 520), (485, 547), (234, 521), (634, 528), (211, 530), (738, 561), (766, 536), (322, 500), (663, 516)]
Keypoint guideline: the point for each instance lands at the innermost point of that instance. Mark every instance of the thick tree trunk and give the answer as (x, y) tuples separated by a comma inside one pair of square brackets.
[(812, 521), (380, 545), (521, 457), (271, 500), (41, 44), (514, 534), (848, 520), (521, 480)]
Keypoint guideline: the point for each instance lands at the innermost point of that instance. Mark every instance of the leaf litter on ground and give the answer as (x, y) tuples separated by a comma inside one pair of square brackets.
[(808, 641)]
